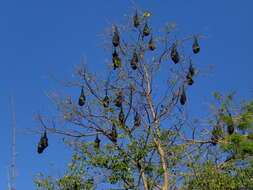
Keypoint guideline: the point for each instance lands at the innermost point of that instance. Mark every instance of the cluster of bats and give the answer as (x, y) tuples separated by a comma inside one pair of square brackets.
[(118, 102), (146, 31), (191, 72)]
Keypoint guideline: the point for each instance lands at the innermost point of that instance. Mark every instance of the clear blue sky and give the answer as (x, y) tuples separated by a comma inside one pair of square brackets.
[(38, 38)]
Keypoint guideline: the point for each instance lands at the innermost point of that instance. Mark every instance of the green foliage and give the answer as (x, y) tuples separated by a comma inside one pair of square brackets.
[(239, 145), (208, 177), (75, 177), (230, 165)]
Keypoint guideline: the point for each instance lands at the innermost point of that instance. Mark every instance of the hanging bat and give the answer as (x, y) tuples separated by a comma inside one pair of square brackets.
[(121, 116), (137, 120), (115, 38), (82, 98), (134, 61), (118, 101), (182, 95), (151, 44), (114, 134), (97, 142), (106, 101), (43, 143), (174, 54), (189, 79), (116, 60), (195, 46), (146, 30)]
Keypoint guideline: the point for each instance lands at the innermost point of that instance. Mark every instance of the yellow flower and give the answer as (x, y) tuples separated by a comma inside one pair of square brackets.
[(146, 14)]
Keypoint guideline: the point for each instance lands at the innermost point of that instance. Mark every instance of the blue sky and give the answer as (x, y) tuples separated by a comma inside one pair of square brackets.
[(38, 38)]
